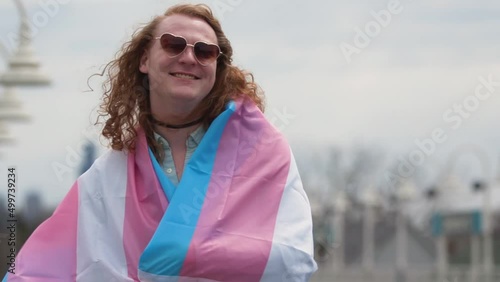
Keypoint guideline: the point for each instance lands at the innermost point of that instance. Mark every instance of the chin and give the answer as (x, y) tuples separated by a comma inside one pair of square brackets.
[(187, 93), (188, 97)]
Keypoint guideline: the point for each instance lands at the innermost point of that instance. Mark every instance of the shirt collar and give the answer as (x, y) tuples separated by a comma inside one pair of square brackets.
[(192, 141), (196, 136)]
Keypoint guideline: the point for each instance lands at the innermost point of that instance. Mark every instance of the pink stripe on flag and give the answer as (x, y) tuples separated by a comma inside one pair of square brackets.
[(50, 253), (144, 206), (235, 230)]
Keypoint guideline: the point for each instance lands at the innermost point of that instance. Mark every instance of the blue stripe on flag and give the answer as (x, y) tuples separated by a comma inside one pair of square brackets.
[(167, 250)]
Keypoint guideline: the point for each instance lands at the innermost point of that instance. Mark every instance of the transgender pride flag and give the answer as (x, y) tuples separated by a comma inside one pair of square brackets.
[(238, 214)]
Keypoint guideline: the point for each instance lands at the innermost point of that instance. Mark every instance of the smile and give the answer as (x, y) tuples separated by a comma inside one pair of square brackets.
[(184, 75)]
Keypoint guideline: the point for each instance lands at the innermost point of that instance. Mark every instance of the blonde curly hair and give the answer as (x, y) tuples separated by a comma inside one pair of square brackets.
[(126, 105)]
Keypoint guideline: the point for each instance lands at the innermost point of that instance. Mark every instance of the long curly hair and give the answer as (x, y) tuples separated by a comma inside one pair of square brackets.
[(126, 106)]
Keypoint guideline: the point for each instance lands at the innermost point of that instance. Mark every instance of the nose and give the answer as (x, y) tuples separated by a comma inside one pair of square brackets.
[(188, 56)]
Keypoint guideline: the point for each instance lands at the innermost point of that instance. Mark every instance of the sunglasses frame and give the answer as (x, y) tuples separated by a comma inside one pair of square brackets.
[(192, 46)]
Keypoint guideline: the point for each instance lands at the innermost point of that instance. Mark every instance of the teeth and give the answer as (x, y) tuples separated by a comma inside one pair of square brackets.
[(181, 75)]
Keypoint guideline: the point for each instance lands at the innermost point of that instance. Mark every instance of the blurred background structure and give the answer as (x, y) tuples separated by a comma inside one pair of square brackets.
[(449, 231), (391, 108), (23, 70)]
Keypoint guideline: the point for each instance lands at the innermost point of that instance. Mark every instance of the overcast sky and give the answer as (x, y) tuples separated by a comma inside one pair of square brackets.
[(377, 73)]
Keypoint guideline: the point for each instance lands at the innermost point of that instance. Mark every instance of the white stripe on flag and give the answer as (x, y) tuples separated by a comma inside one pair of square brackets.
[(102, 193), (291, 257)]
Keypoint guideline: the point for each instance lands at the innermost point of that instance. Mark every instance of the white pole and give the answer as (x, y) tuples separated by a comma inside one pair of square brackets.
[(487, 234), (441, 241), (338, 229), (401, 241), (475, 257), (368, 238), (442, 257), (338, 251)]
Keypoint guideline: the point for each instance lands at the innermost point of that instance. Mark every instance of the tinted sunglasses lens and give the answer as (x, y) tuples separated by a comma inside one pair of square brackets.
[(173, 45), (206, 53)]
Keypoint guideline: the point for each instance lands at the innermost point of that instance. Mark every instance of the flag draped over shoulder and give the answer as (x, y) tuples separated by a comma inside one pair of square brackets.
[(239, 213)]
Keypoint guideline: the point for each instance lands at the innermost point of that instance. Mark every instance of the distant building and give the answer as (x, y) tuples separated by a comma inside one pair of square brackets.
[(459, 208), (459, 215), (89, 156), (33, 210), (421, 250)]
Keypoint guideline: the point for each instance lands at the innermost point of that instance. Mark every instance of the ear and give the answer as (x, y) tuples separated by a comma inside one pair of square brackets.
[(143, 65)]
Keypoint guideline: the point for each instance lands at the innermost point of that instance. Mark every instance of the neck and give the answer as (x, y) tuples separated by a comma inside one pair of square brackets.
[(175, 137), (172, 111), (177, 126)]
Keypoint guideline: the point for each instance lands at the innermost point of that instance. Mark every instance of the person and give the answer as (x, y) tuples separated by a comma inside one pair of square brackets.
[(197, 184)]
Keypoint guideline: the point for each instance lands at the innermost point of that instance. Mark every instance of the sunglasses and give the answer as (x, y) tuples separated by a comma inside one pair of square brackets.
[(174, 45)]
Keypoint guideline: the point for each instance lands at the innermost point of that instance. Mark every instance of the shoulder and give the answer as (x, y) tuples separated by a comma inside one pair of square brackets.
[(109, 167), (109, 159), (259, 126)]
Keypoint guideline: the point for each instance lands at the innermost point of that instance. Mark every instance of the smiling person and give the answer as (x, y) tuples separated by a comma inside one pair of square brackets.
[(197, 184)]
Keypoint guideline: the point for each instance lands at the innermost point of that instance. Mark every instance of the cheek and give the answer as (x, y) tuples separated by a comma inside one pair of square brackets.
[(213, 75), (158, 73)]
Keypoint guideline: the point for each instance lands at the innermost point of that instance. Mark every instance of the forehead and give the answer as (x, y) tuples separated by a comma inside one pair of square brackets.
[(193, 29)]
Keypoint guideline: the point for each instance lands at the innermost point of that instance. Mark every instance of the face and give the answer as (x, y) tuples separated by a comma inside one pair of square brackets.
[(178, 83)]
